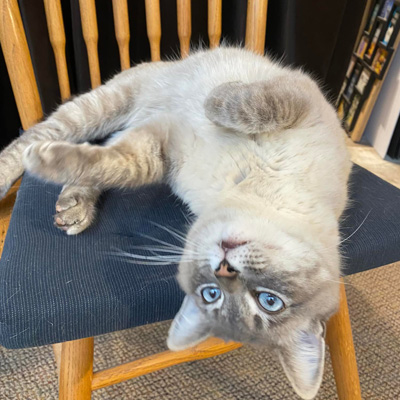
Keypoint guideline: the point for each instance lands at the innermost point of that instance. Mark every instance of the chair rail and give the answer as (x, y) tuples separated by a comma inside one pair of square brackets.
[(256, 25), (209, 348), (184, 25), (214, 22), (91, 37), (153, 22), (55, 26), (122, 32), (19, 63)]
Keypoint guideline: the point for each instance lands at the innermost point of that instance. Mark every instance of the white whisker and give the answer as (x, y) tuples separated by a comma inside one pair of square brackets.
[(362, 223), (174, 233)]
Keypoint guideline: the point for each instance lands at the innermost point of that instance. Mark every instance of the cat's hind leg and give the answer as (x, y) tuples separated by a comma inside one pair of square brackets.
[(76, 208), (133, 158), (264, 106)]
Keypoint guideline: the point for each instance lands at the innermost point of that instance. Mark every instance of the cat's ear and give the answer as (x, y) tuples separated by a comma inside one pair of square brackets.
[(189, 326), (303, 361)]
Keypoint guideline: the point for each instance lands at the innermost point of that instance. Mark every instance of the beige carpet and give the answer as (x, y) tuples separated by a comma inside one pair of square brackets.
[(245, 374)]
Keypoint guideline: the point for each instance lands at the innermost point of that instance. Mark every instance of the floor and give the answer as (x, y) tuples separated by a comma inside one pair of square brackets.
[(30, 374)]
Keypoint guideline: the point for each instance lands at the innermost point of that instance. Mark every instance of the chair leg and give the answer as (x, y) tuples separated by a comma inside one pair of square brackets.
[(76, 370), (341, 347)]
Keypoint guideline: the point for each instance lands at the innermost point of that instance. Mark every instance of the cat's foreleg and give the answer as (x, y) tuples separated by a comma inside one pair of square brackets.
[(135, 158), (93, 115), (266, 106)]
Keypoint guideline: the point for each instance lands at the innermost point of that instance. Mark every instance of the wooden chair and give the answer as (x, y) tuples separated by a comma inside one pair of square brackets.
[(75, 358)]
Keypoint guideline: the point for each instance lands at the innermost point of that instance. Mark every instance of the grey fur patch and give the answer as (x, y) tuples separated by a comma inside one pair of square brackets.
[(260, 107)]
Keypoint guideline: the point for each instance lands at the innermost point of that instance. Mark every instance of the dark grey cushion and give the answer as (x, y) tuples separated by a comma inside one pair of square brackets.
[(55, 288)]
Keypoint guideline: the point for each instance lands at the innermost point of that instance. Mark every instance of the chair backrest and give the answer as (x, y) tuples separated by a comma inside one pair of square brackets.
[(18, 59)]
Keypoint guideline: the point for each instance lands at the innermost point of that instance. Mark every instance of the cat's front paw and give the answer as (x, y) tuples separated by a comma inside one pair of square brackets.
[(75, 210), (47, 160)]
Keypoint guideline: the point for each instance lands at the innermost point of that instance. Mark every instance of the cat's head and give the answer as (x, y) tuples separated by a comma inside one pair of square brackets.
[(249, 281)]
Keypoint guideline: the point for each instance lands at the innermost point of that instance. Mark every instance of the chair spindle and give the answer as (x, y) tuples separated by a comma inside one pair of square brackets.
[(256, 25), (19, 64), (153, 22), (91, 37), (184, 25), (122, 33), (214, 22), (55, 26)]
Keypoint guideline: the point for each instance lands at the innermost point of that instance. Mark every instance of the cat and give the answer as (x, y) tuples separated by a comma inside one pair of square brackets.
[(257, 153)]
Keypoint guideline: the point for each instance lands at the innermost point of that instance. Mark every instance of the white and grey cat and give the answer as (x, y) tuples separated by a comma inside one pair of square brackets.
[(259, 156)]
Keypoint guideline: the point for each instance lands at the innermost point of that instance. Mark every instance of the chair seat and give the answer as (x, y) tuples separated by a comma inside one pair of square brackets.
[(55, 287)]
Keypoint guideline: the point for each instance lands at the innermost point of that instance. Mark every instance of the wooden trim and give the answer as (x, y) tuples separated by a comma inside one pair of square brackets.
[(214, 22), (341, 347), (366, 111), (55, 26), (153, 23), (6, 207), (19, 64), (256, 25), (91, 37), (122, 32), (76, 370), (209, 348), (184, 25)]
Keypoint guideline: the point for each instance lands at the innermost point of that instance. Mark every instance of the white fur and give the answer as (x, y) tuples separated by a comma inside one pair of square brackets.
[(297, 175)]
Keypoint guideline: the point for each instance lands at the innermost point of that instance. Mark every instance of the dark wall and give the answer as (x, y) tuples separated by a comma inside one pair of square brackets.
[(317, 35)]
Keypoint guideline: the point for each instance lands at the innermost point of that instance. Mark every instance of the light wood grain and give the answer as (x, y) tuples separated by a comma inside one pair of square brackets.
[(153, 23), (209, 348), (19, 64), (76, 370), (341, 347), (57, 349), (55, 26), (6, 207), (91, 37), (214, 22), (184, 25), (256, 25), (122, 32), (366, 110)]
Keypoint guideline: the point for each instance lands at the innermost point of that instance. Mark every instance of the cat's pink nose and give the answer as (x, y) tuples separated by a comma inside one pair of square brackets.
[(225, 270), (231, 244)]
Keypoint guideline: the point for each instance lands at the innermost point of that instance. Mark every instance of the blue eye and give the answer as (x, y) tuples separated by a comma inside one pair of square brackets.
[(269, 302), (211, 294)]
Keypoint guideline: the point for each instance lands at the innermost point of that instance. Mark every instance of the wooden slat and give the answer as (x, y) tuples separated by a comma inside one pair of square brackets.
[(91, 37), (55, 25), (6, 206), (341, 348), (122, 33), (209, 348), (76, 369), (153, 22), (214, 22), (19, 64), (256, 25), (184, 25)]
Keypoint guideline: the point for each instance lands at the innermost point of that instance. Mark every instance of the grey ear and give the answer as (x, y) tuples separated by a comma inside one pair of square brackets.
[(189, 326), (303, 362)]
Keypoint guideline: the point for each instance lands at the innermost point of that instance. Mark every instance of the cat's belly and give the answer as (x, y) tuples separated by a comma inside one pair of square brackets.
[(281, 173)]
